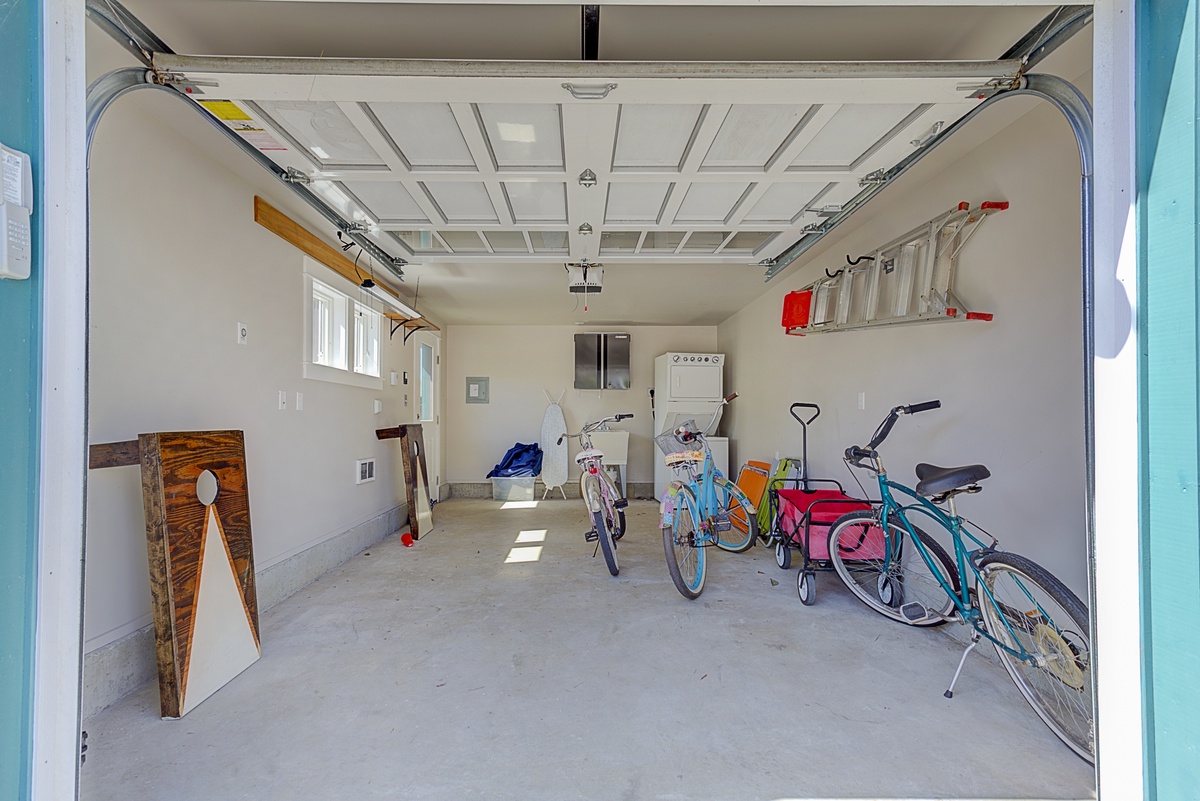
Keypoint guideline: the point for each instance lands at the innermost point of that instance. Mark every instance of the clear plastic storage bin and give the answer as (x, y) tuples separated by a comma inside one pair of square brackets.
[(517, 488)]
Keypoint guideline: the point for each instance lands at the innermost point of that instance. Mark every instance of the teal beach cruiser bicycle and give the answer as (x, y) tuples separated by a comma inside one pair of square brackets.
[(701, 509), (1038, 627)]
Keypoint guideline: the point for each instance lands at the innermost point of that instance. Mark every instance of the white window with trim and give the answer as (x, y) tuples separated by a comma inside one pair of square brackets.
[(342, 333), (328, 325), (366, 340)]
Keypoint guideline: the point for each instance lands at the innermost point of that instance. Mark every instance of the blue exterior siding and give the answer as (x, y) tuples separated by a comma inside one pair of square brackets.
[(20, 335), (1167, 145)]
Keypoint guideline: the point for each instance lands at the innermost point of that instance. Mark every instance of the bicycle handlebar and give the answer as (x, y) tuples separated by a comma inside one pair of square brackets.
[(593, 426), (923, 407), (855, 454)]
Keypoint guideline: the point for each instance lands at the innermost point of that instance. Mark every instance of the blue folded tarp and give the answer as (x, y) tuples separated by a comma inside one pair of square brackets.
[(521, 460)]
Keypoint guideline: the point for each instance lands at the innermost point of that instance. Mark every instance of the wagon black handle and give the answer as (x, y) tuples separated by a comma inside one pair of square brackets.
[(815, 409)]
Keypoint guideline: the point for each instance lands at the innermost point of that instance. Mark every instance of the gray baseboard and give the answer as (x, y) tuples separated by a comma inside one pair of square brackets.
[(117, 669), (483, 489)]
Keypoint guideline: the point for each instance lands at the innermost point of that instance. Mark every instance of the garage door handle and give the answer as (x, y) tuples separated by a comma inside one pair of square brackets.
[(597, 91)]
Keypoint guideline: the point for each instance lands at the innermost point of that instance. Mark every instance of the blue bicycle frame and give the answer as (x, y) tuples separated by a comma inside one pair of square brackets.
[(704, 490), (891, 509)]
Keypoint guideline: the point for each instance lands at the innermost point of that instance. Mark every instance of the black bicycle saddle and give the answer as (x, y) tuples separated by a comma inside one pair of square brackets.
[(934, 480)]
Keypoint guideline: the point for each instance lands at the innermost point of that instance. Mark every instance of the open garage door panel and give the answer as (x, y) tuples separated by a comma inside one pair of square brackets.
[(562, 161)]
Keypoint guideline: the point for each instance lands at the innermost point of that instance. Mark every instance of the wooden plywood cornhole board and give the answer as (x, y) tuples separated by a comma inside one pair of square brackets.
[(416, 481), (201, 563), (197, 509)]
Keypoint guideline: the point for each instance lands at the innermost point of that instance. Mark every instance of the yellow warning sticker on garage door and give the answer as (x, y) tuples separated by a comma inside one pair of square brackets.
[(258, 137), (225, 110)]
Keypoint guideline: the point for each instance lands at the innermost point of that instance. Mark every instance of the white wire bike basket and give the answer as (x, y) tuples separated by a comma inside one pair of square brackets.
[(680, 454)]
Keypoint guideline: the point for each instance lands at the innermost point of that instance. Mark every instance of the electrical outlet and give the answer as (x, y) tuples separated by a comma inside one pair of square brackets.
[(242, 333), (862, 401), (282, 399), (393, 378), (364, 471), (299, 401), (378, 406)]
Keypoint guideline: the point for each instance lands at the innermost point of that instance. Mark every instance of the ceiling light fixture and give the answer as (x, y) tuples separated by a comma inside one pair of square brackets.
[(587, 179), (585, 229)]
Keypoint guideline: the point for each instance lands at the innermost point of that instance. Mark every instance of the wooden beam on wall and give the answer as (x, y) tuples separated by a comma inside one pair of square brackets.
[(114, 454), (309, 243)]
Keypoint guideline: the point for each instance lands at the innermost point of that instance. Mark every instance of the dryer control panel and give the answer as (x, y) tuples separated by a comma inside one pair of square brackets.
[(696, 358), (688, 377)]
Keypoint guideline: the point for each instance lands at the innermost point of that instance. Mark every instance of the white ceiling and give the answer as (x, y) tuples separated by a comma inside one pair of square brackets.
[(476, 179)]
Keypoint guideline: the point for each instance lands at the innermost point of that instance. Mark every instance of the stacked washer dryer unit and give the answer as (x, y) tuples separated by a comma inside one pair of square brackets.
[(687, 386)]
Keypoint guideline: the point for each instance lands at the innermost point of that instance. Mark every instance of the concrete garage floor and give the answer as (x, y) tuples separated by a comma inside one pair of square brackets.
[(444, 671)]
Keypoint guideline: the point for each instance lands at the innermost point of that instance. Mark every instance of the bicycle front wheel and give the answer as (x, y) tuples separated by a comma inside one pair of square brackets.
[(735, 511), (605, 523), (1034, 614), (685, 561), (885, 570)]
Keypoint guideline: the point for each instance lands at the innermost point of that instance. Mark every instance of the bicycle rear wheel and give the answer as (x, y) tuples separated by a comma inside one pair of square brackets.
[(735, 509), (686, 562), (884, 569), (619, 530), (1034, 613), (605, 522)]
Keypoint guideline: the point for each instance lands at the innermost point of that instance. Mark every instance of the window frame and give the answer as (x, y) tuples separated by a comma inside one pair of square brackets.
[(319, 280), (367, 361)]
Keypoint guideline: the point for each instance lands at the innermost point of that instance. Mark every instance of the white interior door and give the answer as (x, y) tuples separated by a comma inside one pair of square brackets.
[(428, 401)]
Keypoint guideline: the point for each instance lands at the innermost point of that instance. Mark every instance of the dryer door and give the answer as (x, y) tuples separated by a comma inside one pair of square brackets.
[(695, 382)]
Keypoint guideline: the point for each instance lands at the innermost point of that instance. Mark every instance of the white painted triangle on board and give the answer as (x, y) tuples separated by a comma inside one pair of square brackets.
[(223, 643), (423, 514)]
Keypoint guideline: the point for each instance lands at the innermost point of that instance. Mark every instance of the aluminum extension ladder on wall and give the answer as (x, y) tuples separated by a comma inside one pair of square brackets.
[(908, 280)]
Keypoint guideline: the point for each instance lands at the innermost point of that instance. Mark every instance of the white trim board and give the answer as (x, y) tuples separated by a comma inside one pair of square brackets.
[(63, 435)]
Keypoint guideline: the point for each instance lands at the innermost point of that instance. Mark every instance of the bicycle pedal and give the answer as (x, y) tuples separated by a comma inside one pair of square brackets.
[(590, 536), (914, 612), (620, 504), (722, 523)]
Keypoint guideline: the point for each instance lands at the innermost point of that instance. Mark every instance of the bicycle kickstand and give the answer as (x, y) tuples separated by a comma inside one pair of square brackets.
[(974, 641)]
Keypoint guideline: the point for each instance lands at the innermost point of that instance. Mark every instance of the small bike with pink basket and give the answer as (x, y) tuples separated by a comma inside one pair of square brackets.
[(802, 515)]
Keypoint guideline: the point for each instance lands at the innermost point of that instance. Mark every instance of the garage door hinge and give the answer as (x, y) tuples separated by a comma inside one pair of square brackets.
[(177, 81), (295, 176)]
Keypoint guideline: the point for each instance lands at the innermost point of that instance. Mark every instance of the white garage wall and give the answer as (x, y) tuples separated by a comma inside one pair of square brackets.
[(176, 261), (1011, 389), (520, 361)]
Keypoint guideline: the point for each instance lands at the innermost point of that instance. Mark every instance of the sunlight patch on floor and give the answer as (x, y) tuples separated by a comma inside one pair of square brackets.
[(528, 554), (519, 505), (532, 535)]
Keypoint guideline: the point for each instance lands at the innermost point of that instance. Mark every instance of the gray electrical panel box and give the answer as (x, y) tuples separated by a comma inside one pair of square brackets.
[(602, 361)]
